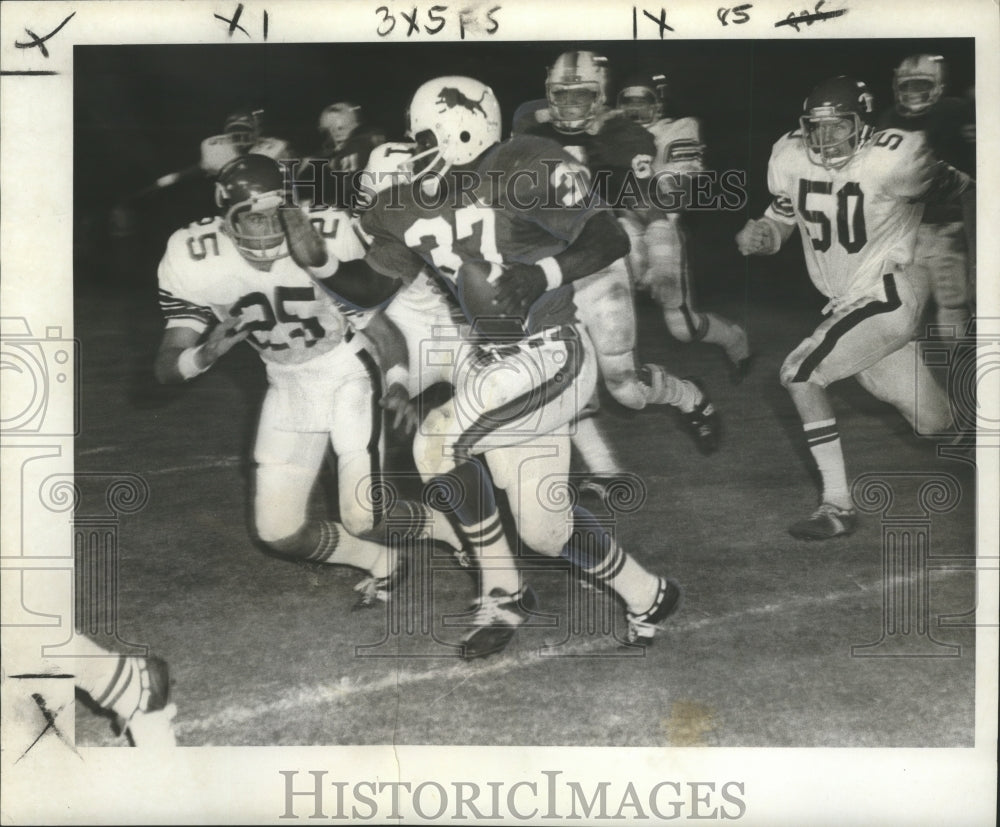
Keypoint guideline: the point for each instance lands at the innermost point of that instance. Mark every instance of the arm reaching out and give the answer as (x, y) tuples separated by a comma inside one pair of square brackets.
[(181, 358)]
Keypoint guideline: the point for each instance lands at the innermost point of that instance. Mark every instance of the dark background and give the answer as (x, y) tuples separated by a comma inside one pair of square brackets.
[(142, 111), (262, 651)]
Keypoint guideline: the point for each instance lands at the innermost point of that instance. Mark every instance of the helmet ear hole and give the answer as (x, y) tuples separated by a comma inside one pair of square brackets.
[(464, 137)]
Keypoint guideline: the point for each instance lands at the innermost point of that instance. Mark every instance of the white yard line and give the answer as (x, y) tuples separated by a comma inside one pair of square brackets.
[(342, 689), (209, 462)]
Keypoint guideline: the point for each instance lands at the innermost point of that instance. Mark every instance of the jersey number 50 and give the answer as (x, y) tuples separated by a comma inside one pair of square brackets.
[(849, 214)]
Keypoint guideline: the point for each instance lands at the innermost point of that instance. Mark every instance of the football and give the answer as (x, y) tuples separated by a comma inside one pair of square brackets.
[(476, 293)]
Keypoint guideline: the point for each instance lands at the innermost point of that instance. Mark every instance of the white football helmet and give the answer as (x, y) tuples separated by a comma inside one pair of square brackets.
[(641, 98), (453, 120), (576, 88), (918, 83), (337, 121), (389, 164)]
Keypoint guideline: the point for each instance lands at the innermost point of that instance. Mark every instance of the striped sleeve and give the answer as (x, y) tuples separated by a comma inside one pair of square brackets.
[(779, 169), (177, 310), (180, 313)]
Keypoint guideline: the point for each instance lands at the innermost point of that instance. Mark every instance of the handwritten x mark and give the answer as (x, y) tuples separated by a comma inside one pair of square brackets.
[(234, 24), (50, 723), (40, 41)]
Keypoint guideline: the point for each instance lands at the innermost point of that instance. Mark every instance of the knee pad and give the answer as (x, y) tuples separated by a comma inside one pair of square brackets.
[(431, 445)]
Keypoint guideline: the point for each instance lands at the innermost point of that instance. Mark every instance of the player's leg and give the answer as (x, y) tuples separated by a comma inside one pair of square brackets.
[(288, 464), (137, 689), (941, 249), (504, 396), (534, 478), (906, 383), (606, 308), (850, 341), (668, 277)]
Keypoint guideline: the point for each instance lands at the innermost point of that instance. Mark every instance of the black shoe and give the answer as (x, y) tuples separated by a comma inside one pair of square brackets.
[(497, 618), (642, 627), (375, 590), (703, 423)]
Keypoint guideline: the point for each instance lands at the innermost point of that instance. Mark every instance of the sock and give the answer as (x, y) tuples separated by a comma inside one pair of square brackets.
[(467, 492), (112, 681), (667, 389), (415, 521), (594, 449), (824, 443), (592, 548), (727, 334), (324, 541)]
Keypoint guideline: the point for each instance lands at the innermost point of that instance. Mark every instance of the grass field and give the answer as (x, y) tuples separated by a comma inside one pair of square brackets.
[(263, 651)]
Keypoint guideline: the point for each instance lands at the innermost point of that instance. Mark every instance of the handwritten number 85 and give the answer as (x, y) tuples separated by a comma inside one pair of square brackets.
[(850, 214)]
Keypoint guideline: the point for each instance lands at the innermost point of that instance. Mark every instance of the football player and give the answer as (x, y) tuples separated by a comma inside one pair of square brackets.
[(233, 277), (241, 134), (659, 254), (576, 115), (949, 126), (135, 689), (519, 378), (854, 195), (347, 142)]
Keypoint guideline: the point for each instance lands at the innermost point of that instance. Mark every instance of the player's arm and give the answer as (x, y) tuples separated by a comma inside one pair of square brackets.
[(180, 356), (394, 359), (601, 242), (765, 235), (353, 283)]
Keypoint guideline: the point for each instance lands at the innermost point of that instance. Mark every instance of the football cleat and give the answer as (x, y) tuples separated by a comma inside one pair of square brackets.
[(703, 422), (739, 356), (642, 627), (497, 618), (153, 730), (826, 522), (598, 484), (151, 723), (154, 680), (373, 590), (740, 369)]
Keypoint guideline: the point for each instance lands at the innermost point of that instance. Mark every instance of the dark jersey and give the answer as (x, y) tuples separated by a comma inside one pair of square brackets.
[(525, 199), (619, 155), (344, 164), (949, 127)]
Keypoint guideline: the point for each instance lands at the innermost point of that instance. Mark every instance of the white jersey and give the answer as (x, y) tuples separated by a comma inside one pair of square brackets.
[(204, 277), (857, 222), (678, 145)]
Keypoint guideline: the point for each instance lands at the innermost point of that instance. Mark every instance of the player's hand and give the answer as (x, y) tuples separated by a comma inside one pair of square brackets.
[(223, 338), (518, 288), (306, 245), (404, 412), (757, 238)]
